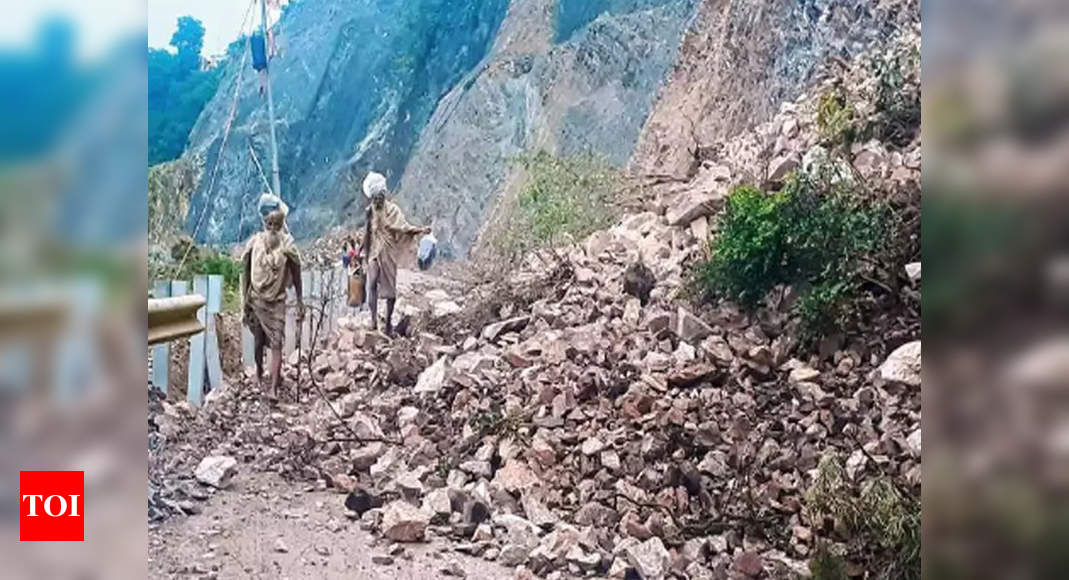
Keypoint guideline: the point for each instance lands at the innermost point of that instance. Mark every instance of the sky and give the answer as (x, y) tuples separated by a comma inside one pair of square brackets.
[(98, 24), (221, 19)]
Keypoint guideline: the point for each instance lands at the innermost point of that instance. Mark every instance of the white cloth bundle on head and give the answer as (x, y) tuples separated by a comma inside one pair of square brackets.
[(374, 183), (270, 202)]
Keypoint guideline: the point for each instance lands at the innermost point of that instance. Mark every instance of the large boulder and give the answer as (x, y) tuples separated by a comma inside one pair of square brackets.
[(904, 365), (216, 470), (433, 377), (689, 327), (691, 206), (649, 559), (403, 522)]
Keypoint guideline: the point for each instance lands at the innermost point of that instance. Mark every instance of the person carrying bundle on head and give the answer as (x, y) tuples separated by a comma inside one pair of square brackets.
[(271, 263), (385, 235)]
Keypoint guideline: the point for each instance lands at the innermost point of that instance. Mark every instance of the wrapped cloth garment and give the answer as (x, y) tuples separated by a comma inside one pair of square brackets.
[(390, 234), (269, 252), (268, 318)]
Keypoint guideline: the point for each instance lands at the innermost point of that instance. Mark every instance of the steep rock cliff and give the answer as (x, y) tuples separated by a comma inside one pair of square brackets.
[(354, 87), (564, 76), (742, 59)]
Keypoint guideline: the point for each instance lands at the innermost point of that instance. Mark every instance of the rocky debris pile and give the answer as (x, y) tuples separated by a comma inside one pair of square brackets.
[(580, 432)]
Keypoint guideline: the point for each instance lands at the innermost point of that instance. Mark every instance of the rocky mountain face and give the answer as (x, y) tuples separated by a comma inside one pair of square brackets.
[(442, 91), (742, 59), (441, 95), (354, 86), (557, 79)]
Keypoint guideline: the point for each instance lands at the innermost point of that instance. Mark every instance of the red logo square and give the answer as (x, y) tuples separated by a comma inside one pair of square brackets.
[(51, 506)]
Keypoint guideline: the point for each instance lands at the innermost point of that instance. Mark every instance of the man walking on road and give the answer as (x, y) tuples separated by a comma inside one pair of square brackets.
[(271, 264), (385, 235)]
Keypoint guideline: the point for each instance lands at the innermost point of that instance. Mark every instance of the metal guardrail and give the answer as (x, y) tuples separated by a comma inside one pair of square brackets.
[(174, 314), (173, 318)]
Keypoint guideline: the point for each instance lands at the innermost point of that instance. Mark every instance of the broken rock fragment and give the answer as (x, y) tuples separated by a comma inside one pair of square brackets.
[(492, 331), (649, 559), (216, 470), (433, 377), (689, 327), (403, 522), (903, 365)]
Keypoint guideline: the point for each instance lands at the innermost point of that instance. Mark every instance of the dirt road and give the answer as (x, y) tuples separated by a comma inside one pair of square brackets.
[(264, 527)]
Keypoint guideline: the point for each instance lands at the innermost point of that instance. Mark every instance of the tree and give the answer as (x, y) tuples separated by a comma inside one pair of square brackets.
[(188, 40), (177, 91)]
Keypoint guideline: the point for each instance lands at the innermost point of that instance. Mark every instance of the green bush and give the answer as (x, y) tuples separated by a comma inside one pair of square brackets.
[(812, 235), (200, 262), (876, 517), (898, 98), (835, 119), (227, 267), (827, 566), (747, 258), (561, 197), (824, 309)]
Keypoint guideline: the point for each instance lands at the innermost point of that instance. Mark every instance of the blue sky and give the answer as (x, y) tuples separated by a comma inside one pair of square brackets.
[(99, 24), (221, 19)]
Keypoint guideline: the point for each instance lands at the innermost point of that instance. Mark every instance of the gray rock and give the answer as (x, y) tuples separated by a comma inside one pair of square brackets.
[(780, 167), (515, 476), (650, 559), (592, 446), (689, 327), (216, 470), (513, 554), (403, 522), (492, 331), (691, 206), (433, 377), (477, 468), (749, 563), (903, 365), (437, 503), (365, 456), (913, 271), (596, 514)]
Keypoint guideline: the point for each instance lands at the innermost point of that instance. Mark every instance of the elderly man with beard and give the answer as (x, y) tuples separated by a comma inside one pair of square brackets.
[(271, 264), (385, 235)]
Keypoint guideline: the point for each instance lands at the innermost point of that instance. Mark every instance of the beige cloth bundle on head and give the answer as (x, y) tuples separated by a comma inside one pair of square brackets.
[(374, 183)]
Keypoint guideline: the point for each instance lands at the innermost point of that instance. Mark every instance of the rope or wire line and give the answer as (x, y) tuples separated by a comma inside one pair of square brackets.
[(222, 145), (259, 168)]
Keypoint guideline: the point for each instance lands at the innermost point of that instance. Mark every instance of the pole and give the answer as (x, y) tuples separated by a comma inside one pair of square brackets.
[(275, 182)]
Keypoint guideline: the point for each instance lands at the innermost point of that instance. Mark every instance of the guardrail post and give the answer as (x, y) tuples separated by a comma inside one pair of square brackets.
[(248, 357), (309, 290), (195, 388), (212, 355), (161, 353)]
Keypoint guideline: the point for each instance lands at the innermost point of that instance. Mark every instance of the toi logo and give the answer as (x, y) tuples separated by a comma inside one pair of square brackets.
[(51, 506)]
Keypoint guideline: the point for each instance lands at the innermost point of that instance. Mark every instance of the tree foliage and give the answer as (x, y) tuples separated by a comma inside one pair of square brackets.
[(177, 91)]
